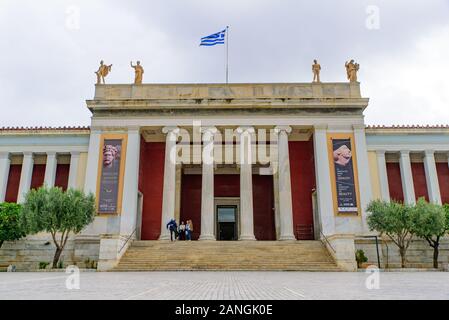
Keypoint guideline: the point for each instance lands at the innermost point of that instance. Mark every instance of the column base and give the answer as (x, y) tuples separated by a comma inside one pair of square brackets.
[(287, 238), (207, 237), (164, 237), (247, 238)]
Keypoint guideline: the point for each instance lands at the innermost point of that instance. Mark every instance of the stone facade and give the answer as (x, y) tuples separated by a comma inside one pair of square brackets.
[(177, 166)]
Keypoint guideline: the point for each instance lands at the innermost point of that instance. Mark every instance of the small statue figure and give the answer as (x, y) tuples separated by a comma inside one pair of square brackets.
[(138, 72), (316, 68), (102, 72), (351, 70)]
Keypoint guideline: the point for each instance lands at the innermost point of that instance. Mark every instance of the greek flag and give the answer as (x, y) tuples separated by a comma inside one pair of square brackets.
[(213, 39)]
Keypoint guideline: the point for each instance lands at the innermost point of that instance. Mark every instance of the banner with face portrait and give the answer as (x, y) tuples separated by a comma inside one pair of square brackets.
[(110, 182), (344, 175)]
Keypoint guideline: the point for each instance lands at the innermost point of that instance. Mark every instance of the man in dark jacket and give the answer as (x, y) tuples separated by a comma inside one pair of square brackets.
[(173, 227)]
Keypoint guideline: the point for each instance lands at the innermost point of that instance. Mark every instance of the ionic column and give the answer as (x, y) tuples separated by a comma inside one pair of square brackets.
[(5, 163), (207, 187), (168, 198), (50, 169), (383, 176), (433, 187), (407, 177), (25, 176), (323, 182), (285, 191), (73, 171), (246, 184)]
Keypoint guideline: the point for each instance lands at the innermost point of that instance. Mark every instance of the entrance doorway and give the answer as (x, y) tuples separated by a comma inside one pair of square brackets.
[(226, 222)]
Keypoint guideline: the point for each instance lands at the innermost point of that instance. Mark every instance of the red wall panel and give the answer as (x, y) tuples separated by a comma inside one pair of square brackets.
[(37, 179), (302, 172), (12, 188), (263, 206), (62, 176), (151, 184), (191, 202), (443, 179), (419, 180), (227, 185), (394, 181)]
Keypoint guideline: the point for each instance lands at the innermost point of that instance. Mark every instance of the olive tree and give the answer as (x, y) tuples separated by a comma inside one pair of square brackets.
[(393, 220), (10, 228), (430, 222), (58, 213)]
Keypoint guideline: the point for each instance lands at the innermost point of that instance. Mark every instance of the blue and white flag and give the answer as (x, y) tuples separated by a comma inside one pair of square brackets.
[(213, 39)]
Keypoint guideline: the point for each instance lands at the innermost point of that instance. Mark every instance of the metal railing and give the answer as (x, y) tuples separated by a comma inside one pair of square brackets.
[(327, 241), (377, 247), (127, 240)]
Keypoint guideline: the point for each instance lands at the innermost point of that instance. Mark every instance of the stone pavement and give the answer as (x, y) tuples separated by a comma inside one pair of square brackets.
[(225, 285)]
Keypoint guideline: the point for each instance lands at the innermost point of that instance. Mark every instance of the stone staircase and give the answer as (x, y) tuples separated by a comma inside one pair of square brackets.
[(224, 255)]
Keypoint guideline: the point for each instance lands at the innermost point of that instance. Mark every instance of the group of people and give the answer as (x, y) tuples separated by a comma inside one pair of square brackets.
[(181, 232)]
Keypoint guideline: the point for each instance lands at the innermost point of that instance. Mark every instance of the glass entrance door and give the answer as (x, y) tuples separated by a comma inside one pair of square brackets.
[(226, 223)]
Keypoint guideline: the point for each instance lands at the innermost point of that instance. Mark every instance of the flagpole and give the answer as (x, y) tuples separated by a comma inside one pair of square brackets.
[(227, 54)]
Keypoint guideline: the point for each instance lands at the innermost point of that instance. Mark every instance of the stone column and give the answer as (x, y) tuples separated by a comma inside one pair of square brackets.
[(168, 198), (407, 177), (130, 183), (246, 184), (285, 191), (50, 169), (93, 156), (25, 176), (5, 163), (433, 187), (383, 176), (207, 187), (73, 171), (323, 183)]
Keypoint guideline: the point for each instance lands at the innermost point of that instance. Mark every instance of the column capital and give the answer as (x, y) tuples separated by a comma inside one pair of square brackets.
[(208, 131), (134, 129), (75, 153), (245, 130), (404, 153), (358, 126), (286, 129), (28, 154), (170, 129), (320, 126), (51, 153), (429, 153), (380, 153)]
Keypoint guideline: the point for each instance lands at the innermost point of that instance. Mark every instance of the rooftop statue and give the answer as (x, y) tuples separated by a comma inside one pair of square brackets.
[(351, 70), (102, 72), (316, 68), (138, 69)]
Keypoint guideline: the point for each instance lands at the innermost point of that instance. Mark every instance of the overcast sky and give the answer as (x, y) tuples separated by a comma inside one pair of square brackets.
[(50, 50)]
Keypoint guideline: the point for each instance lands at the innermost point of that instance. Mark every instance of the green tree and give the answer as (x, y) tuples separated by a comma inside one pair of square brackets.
[(430, 222), (393, 220), (57, 212), (10, 228)]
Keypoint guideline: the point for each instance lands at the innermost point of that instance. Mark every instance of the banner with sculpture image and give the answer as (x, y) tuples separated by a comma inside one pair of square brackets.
[(344, 175), (111, 175)]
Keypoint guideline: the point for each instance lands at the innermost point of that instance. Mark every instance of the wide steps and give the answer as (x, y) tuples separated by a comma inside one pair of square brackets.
[(232, 255)]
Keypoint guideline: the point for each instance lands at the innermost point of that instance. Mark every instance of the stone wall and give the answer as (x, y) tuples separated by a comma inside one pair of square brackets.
[(26, 254), (419, 254)]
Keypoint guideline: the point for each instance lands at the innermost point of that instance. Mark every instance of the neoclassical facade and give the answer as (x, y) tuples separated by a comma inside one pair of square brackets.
[(244, 162)]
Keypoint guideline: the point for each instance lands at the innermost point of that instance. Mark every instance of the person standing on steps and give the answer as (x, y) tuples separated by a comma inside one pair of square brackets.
[(189, 230), (172, 226), (182, 231)]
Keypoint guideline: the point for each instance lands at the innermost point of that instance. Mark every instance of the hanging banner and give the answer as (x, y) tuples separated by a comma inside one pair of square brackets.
[(111, 168), (344, 174)]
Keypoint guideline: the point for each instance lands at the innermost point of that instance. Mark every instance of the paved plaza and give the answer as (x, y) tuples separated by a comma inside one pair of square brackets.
[(225, 285)]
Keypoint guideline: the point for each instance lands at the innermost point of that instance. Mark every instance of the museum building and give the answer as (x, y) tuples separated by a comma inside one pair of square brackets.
[(273, 163)]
